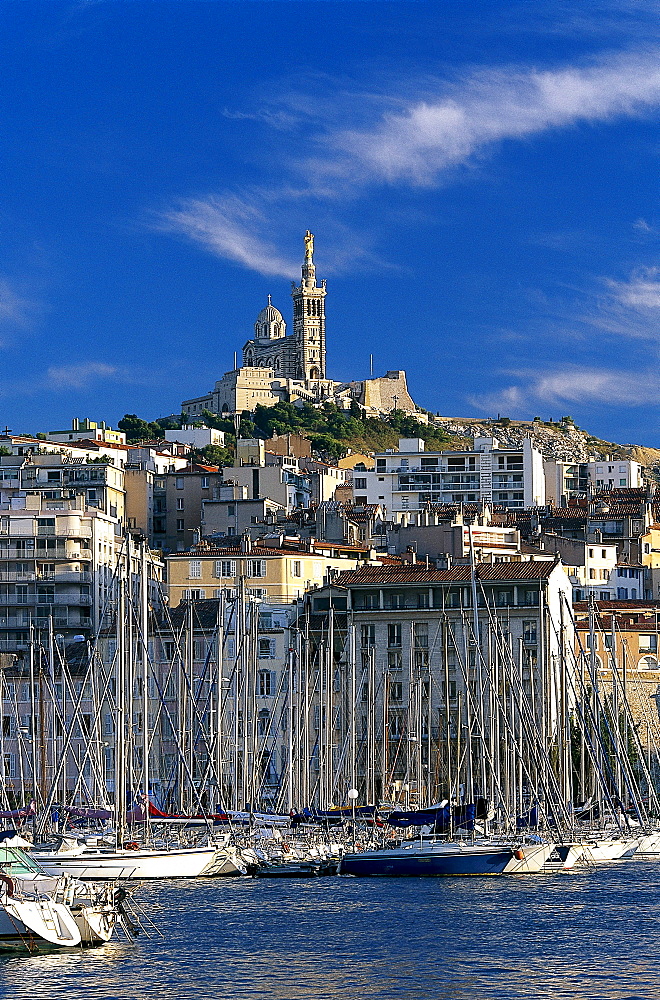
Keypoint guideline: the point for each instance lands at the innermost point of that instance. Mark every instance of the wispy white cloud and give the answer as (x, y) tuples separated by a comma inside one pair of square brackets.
[(574, 385), (14, 310), (415, 134), (230, 227), (82, 376), (640, 292), (432, 135)]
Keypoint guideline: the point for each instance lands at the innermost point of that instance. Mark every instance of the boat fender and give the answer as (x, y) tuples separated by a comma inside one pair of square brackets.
[(519, 855), (285, 847), (131, 845), (8, 882)]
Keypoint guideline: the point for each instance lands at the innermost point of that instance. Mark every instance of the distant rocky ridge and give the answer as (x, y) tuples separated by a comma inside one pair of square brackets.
[(561, 440)]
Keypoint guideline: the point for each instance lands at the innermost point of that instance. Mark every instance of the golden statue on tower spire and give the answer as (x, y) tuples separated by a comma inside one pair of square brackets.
[(309, 246)]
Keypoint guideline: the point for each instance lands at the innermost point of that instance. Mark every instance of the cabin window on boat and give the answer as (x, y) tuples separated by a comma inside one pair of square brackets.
[(15, 862)]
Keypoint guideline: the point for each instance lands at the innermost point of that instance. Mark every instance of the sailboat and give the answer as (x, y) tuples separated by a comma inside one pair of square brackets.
[(38, 911)]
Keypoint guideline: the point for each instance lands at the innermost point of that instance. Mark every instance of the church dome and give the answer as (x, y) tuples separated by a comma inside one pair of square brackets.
[(269, 314), (270, 323)]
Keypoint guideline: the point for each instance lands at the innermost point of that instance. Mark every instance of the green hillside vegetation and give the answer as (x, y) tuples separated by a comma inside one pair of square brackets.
[(332, 432)]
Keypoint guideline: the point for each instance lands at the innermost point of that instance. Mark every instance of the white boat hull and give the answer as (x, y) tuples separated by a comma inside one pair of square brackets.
[(598, 852), (534, 857), (127, 864), (34, 924)]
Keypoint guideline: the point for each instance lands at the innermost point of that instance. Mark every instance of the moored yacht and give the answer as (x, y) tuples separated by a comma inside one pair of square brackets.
[(418, 857)]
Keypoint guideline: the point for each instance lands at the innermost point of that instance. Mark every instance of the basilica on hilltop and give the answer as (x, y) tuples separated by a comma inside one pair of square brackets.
[(292, 366)]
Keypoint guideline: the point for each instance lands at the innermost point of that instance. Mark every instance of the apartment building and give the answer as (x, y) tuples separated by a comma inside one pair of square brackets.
[(89, 430), (412, 632), (568, 479), (591, 566), (408, 480), (618, 647), (177, 505), (275, 569), (232, 513), (58, 559)]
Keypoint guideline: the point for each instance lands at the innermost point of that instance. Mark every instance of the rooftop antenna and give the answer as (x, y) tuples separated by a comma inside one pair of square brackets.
[(371, 366)]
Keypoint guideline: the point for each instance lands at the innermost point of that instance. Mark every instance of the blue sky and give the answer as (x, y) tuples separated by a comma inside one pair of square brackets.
[(482, 180)]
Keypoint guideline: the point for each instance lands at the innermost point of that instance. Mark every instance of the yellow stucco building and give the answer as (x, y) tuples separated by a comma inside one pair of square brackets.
[(273, 571)]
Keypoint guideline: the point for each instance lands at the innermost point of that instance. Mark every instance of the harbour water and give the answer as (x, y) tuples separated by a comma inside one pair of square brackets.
[(591, 935)]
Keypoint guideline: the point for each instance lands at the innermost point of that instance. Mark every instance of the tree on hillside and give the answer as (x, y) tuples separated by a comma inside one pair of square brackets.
[(136, 429)]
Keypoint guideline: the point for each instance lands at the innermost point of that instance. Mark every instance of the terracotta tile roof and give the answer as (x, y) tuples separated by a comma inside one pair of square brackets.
[(582, 607), (491, 572)]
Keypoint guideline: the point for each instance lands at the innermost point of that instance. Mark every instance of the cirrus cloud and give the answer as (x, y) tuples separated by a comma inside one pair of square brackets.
[(575, 384)]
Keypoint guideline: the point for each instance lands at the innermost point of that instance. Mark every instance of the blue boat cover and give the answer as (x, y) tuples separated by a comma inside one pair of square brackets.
[(440, 819)]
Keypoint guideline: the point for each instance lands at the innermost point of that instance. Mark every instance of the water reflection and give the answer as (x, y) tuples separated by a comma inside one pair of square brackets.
[(565, 937)]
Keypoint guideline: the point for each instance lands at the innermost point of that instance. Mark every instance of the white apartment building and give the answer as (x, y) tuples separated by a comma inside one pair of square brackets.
[(615, 474), (566, 479), (411, 478), (196, 437)]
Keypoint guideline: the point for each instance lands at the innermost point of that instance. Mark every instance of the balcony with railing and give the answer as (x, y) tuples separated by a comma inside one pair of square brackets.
[(28, 600), (60, 620)]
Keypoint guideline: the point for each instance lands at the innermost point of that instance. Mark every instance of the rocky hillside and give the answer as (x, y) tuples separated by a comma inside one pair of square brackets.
[(562, 441)]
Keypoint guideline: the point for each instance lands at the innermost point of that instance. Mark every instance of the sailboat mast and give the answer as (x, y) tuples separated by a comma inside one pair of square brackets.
[(144, 631)]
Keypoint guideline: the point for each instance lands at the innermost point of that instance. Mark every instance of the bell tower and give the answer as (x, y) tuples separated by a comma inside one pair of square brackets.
[(309, 319)]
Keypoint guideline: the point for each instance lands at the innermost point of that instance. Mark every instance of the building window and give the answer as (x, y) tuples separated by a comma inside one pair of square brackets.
[(394, 635), (195, 569), (396, 691), (296, 567), (205, 482), (266, 649), (194, 595), (179, 524), (256, 567), (394, 659), (263, 722), (179, 482), (648, 643), (266, 683), (368, 635), (224, 568), (179, 503), (421, 635), (529, 633), (360, 484)]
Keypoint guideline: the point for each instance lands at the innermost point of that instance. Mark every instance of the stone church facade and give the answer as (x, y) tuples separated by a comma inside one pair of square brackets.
[(292, 366)]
